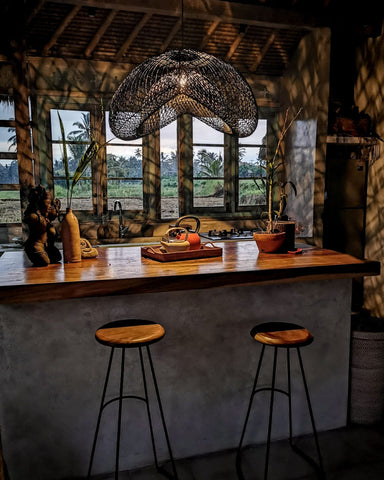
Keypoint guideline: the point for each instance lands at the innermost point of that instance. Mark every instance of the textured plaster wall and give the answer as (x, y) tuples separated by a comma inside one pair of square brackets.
[(369, 96), (306, 85), (52, 371)]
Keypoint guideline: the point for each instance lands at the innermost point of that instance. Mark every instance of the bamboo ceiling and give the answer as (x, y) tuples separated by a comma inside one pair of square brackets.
[(256, 36)]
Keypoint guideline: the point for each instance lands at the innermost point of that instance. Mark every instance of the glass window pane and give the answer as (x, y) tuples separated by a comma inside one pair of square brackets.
[(205, 134), (208, 193), (7, 108), (258, 137), (81, 196), (124, 162), (74, 153), (76, 125), (9, 172), (77, 128), (168, 171), (110, 138), (10, 209), (251, 160), (7, 139), (208, 162), (251, 192), (128, 192)]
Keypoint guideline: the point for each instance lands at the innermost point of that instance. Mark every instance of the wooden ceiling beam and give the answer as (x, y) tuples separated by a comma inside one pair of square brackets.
[(209, 34), (132, 36), (264, 50), (282, 51), (211, 10), (99, 34), (64, 24), (171, 36), (34, 12), (235, 44)]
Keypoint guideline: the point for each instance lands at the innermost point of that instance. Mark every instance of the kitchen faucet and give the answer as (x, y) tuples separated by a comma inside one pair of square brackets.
[(117, 206)]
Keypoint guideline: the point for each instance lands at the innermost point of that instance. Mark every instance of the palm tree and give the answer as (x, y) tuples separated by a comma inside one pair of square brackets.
[(84, 128), (138, 153), (210, 163), (12, 140)]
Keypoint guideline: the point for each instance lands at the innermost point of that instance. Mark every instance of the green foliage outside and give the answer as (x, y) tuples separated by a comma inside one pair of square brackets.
[(9, 195)]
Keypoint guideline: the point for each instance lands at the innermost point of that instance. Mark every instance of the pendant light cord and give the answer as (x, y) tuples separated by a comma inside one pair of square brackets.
[(182, 24)]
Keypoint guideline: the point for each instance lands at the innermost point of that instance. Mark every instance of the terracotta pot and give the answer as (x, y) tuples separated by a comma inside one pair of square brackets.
[(269, 242), (70, 235)]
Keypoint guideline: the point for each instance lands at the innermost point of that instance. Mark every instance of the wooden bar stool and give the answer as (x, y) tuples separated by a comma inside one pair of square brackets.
[(125, 334), (281, 335)]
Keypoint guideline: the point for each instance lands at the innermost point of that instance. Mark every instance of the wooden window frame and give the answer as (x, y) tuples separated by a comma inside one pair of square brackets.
[(9, 187), (151, 169)]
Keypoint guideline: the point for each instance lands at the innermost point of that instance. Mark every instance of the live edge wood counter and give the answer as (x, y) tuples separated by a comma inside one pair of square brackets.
[(122, 271)]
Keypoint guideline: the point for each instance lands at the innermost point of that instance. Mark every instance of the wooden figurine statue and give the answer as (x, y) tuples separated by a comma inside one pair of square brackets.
[(39, 214)]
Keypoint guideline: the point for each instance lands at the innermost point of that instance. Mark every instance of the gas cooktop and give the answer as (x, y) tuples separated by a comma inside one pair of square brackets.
[(232, 234)]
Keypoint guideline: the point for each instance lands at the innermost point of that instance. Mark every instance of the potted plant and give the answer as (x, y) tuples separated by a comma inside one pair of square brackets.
[(70, 230), (274, 236)]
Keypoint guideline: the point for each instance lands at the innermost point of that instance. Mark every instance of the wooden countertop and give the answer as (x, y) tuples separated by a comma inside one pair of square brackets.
[(122, 270)]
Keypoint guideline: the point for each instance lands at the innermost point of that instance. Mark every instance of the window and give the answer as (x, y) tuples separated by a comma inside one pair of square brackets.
[(208, 166), (169, 171), (187, 167), (124, 171), (252, 159), (116, 173), (9, 174), (77, 130)]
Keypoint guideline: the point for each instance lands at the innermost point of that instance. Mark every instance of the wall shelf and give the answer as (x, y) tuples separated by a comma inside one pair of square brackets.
[(363, 141)]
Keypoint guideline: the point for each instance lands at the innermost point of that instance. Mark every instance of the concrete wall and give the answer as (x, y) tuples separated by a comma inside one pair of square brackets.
[(306, 85), (52, 371)]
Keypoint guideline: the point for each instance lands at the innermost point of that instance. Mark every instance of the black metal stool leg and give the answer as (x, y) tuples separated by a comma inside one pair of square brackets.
[(148, 407), (100, 413), (311, 414), (289, 395), (119, 417), (162, 414), (270, 415), (250, 402)]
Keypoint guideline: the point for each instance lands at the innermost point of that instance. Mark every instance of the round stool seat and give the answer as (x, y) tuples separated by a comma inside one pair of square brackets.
[(129, 333), (281, 334)]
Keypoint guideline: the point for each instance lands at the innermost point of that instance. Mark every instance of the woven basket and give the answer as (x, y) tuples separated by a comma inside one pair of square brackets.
[(367, 378)]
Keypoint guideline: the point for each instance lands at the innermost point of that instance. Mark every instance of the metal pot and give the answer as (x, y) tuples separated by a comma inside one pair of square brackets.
[(193, 235)]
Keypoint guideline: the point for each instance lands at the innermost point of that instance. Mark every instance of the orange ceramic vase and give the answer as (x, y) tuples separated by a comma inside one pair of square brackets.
[(70, 235)]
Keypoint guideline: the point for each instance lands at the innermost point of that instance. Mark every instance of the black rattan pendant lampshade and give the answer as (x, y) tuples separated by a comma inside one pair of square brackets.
[(161, 88)]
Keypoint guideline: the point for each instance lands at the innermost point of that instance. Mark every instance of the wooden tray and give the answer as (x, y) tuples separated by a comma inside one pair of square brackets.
[(206, 250)]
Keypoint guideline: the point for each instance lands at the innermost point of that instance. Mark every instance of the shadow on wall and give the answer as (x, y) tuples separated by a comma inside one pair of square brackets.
[(370, 81)]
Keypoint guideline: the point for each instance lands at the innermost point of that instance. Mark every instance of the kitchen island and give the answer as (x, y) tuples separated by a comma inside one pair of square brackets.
[(52, 369)]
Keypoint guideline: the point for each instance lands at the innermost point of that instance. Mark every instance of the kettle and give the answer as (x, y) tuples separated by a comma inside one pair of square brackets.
[(177, 244), (193, 235)]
